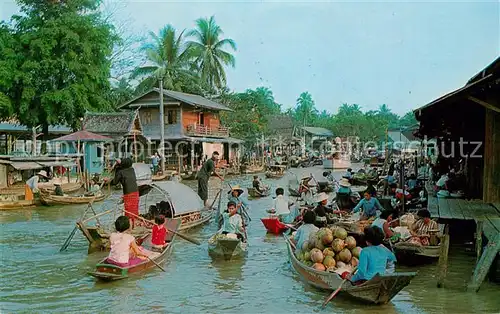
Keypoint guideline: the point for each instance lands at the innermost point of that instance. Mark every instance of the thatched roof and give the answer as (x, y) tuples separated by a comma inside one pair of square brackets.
[(112, 124), (280, 125)]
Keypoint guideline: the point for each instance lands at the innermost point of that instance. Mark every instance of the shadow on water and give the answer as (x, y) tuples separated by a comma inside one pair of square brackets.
[(37, 278)]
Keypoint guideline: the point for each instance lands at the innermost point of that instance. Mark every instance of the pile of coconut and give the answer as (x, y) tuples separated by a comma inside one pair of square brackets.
[(330, 249)]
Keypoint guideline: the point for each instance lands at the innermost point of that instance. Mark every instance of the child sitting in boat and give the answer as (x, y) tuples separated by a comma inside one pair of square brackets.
[(302, 234), (159, 234), (232, 222), (95, 189), (373, 259), (124, 251)]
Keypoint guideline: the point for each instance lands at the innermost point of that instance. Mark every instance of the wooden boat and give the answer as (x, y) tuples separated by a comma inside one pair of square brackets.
[(412, 254), (109, 272), (379, 290), (191, 175), (253, 169), (275, 171), (18, 204), (66, 187), (254, 193), (220, 246), (273, 225), (185, 204), (52, 199)]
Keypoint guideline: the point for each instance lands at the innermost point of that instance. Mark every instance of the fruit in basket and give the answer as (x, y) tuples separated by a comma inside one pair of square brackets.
[(356, 251), (307, 256), (341, 264), (345, 255), (350, 242), (320, 245), (325, 235), (354, 262), (338, 245), (329, 261), (340, 233), (328, 252), (316, 256), (319, 266), (305, 246)]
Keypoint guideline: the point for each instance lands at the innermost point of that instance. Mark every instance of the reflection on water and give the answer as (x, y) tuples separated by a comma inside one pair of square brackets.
[(37, 278)]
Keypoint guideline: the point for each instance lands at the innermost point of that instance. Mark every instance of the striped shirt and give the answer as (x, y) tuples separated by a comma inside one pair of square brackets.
[(421, 228)]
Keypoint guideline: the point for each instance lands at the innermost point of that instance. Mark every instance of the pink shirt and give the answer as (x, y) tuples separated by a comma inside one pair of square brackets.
[(120, 247)]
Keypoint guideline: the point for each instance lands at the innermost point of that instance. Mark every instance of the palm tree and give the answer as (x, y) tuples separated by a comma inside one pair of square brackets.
[(305, 110), (167, 60), (207, 51)]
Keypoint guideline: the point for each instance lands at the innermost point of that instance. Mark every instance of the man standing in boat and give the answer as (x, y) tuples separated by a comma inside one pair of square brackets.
[(204, 175), (125, 175)]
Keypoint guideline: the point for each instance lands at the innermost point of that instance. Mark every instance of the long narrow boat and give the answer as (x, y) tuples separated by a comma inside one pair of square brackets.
[(185, 204), (411, 254), (378, 290), (222, 246), (109, 272), (254, 193), (19, 204), (66, 187), (273, 225), (52, 199)]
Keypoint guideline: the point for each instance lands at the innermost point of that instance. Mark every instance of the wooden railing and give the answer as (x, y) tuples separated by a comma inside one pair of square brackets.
[(203, 130)]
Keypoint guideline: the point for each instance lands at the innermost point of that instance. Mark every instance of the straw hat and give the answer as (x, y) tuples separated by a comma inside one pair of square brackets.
[(42, 173), (321, 197), (344, 182), (236, 188)]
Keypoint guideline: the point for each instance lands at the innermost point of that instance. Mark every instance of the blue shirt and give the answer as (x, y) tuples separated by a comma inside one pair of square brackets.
[(373, 260), (302, 235), (232, 224), (369, 208), (344, 190), (155, 160)]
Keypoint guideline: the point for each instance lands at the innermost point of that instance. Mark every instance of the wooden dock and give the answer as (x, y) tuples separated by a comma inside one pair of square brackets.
[(487, 219)]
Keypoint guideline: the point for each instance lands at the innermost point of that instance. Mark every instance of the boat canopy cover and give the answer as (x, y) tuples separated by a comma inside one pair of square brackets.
[(182, 197), (143, 174)]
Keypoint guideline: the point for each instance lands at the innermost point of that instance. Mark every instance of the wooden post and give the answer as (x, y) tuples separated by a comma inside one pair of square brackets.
[(69, 174), (479, 239), (443, 257), (484, 264)]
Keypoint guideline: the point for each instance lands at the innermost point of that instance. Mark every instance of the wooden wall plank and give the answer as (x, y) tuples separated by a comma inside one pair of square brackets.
[(444, 209), (491, 180)]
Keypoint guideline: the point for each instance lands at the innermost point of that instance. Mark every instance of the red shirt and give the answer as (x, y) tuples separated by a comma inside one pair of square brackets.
[(159, 235)]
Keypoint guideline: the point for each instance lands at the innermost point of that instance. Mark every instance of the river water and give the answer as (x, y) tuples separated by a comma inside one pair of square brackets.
[(37, 278)]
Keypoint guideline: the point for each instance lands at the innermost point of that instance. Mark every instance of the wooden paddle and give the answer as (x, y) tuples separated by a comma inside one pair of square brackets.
[(157, 265), (334, 293), (185, 237)]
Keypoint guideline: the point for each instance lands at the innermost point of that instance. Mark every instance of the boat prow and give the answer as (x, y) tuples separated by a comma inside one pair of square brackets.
[(273, 225), (220, 246)]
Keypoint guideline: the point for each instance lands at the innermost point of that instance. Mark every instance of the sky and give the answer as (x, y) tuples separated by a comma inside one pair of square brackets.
[(403, 54)]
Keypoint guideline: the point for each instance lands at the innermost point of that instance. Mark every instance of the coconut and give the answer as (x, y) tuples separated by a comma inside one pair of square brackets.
[(316, 256), (327, 237), (338, 245), (356, 251), (307, 256), (320, 245), (345, 255), (319, 266), (305, 246), (300, 256), (328, 252), (333, 228), (350, 242), (340, 233), (329, 261), (354, 262)]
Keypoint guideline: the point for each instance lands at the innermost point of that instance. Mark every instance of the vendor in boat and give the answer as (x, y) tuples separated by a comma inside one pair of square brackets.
[(125, 175), (321, 210), (232, 222), (124, 251), (31, 186), (384, 223), (373, 259), (235, 197), (281, 208), (204, 174), (303, 232), (58, 191), (423, 228), (95, 189), (368, 207), (257, 185)]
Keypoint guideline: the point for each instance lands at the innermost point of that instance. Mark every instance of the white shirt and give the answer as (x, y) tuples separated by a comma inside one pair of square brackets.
[(120, 246), (33, 183), (281, 205)]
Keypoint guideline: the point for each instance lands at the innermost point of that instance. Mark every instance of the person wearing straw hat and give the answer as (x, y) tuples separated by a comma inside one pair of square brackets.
[(31, 186), (344, 187), (321, 210), (235, 196)]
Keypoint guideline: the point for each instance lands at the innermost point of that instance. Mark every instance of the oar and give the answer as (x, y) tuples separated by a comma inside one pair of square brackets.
[(72, 234), (185, 237), (157, 265), (334, 293)]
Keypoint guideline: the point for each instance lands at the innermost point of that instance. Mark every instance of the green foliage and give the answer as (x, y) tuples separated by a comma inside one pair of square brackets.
[(207, 51), (61, 60), (305, 111)]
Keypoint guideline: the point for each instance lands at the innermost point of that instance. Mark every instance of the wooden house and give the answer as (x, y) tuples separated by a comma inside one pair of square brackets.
[(466, 125), (281, 133), (192, 127), (315, 137)]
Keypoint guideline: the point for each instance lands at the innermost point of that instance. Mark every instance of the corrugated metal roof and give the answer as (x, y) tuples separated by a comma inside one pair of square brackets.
[(317, 131), (143, 174), (65, 164), (190, 99), (14, 127), (83, 136), (27, 165)]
